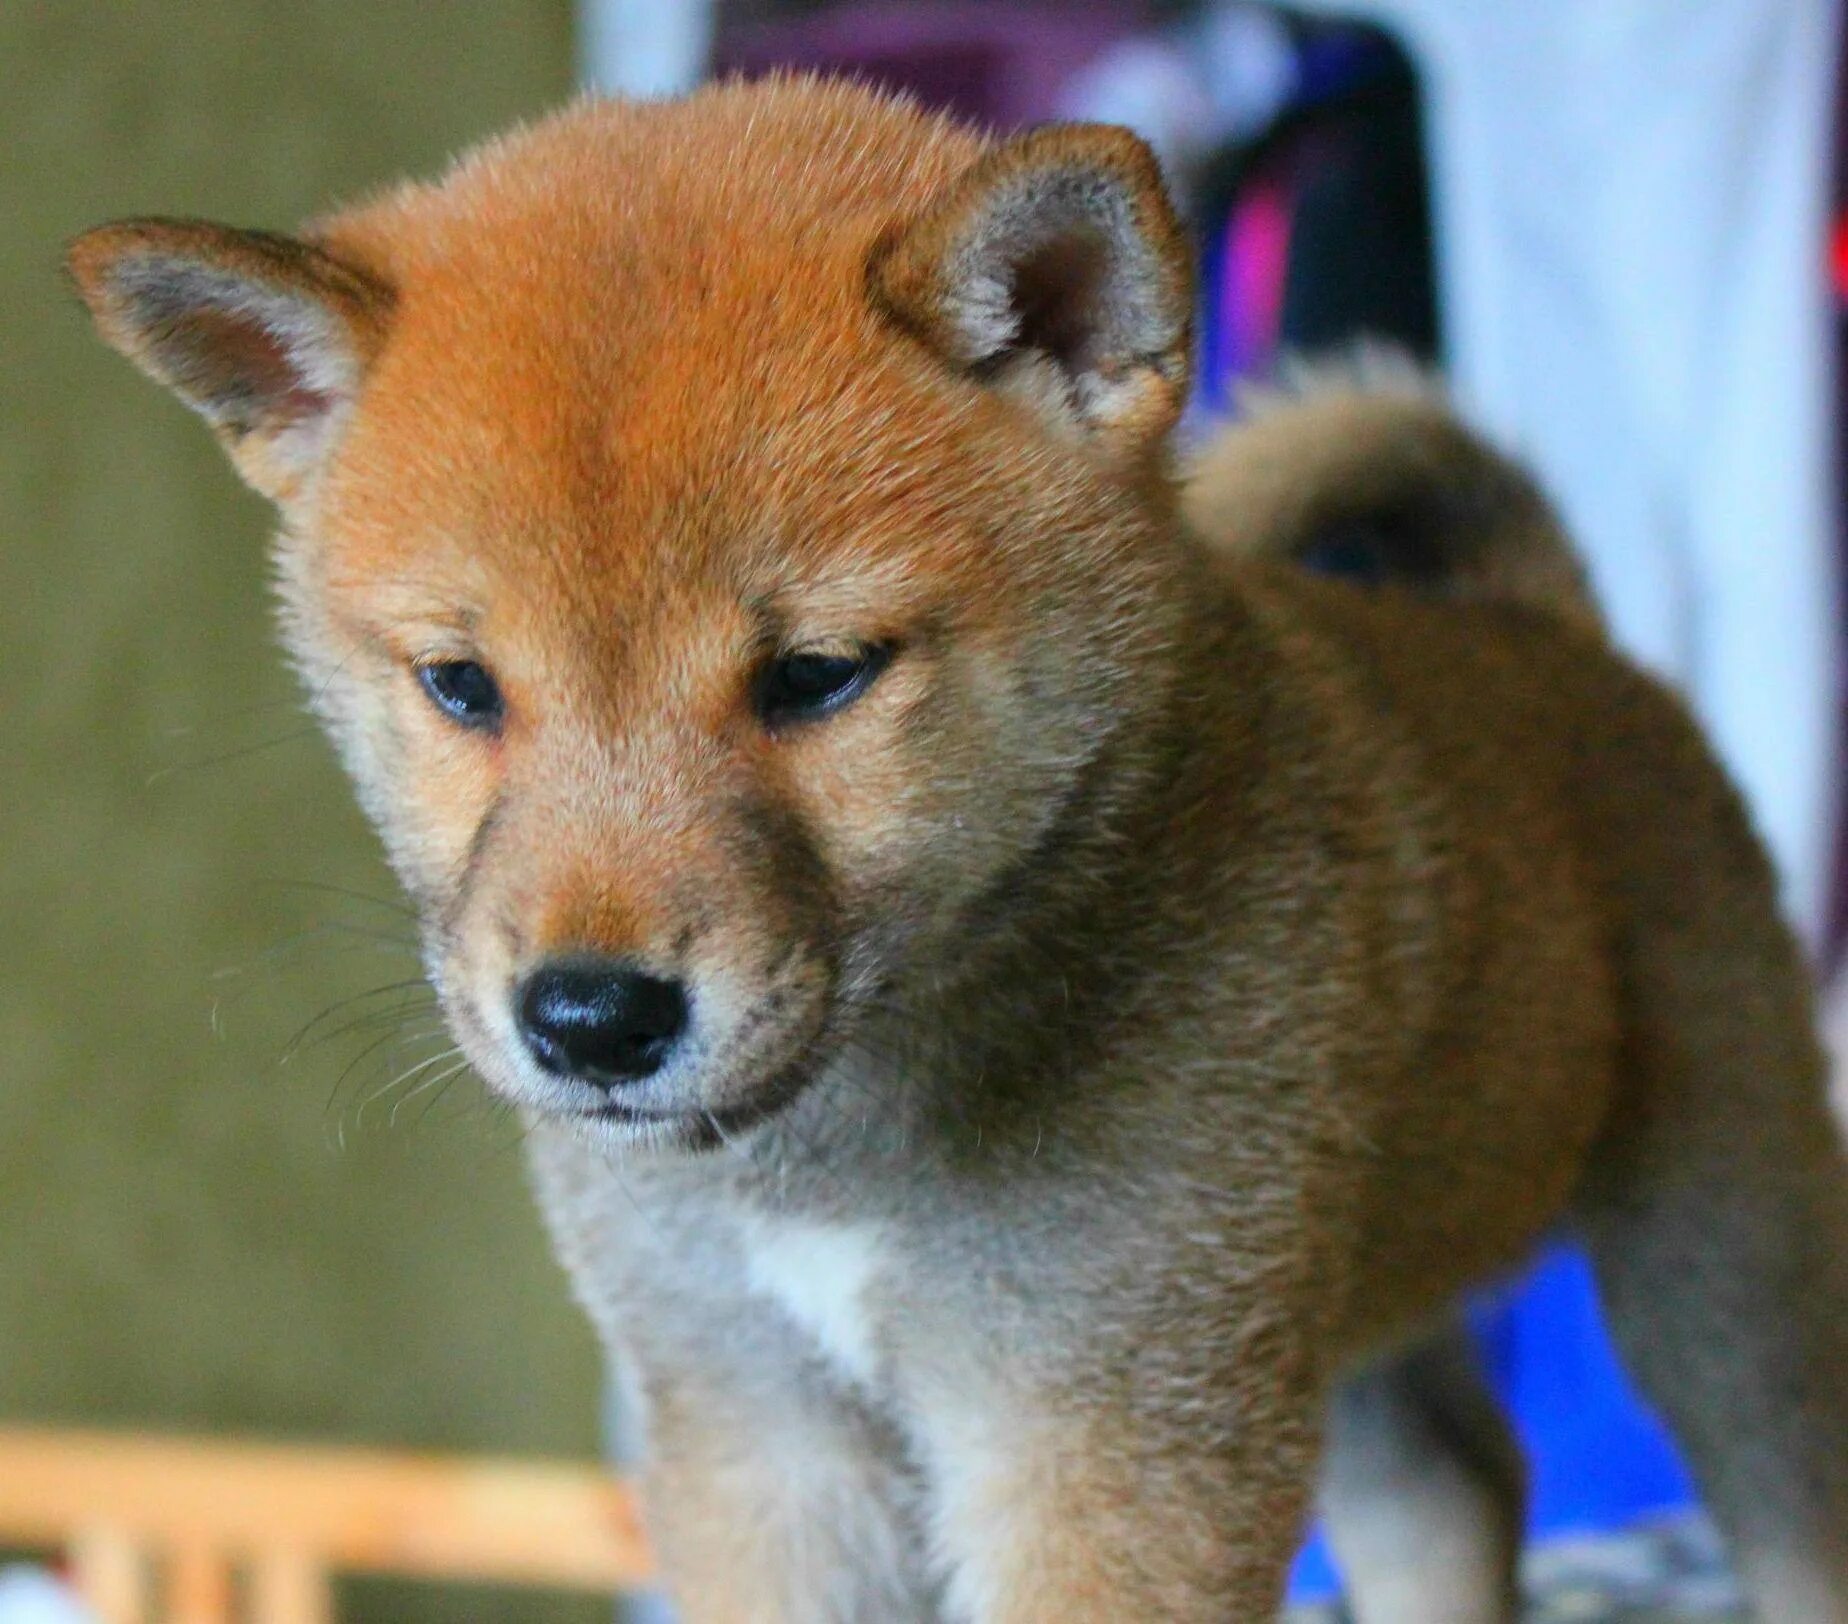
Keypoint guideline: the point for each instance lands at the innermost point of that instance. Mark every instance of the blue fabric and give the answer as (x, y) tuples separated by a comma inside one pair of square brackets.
[(1599, 1457), (1213, 377)]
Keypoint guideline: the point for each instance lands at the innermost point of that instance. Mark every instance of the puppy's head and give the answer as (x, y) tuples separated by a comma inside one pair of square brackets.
[(723, 538)]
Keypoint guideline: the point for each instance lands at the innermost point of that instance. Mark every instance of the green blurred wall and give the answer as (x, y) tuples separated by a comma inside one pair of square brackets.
[(183, 1240)]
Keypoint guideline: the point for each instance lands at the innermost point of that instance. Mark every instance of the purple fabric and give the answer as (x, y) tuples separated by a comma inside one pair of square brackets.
[(1000, 64)]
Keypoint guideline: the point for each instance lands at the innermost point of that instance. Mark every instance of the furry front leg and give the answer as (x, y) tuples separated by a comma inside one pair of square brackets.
[(773, 1494), (1047, 1512), (779, 1507)]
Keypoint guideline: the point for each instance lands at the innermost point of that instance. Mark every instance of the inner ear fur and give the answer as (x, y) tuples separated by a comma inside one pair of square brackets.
[(1056, 267), (265, 336)]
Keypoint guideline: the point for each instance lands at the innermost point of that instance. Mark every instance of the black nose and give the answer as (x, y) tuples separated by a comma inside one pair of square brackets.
[(599, 1020)]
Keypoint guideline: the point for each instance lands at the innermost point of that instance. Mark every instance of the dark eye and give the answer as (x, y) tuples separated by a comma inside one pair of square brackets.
[(464, 690), (800, 687)]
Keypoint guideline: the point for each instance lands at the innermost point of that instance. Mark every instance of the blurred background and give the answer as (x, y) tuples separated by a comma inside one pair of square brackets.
[(194, 1235), (233, 1197)]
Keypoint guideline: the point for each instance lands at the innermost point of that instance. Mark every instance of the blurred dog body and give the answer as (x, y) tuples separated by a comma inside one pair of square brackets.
[(1031, 1002)]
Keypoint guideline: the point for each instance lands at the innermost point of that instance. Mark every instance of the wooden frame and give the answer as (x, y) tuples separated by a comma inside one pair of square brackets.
[(194, 1532)]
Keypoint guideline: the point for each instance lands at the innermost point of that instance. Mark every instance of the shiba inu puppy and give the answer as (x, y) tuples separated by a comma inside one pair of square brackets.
[(1031, 1004)]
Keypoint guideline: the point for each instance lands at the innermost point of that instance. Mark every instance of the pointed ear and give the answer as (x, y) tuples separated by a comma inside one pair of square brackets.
[(266, 337), (1057, 269)]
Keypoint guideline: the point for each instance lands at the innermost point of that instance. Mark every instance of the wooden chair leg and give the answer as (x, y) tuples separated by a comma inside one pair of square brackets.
[(110, 1573), (289, 1588), (199, 1589)]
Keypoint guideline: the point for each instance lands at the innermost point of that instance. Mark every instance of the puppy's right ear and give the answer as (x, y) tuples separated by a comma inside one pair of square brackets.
[(1056, 269), (266, 337)]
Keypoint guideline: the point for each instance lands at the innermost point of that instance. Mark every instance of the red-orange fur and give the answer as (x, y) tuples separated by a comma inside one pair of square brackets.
[(1127, 1026)]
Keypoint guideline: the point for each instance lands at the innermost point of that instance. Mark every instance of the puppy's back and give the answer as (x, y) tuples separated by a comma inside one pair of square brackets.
[(1544, 823)]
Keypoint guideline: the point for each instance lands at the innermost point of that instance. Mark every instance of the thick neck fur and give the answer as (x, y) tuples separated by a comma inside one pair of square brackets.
[(984, 1055)]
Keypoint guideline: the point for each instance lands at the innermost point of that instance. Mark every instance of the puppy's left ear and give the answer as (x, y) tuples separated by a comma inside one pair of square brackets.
[(1056, 269), (266, 337)]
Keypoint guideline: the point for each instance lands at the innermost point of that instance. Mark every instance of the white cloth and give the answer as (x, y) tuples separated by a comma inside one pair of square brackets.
[(644, 47), (1631, 202), (32, 1596)]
